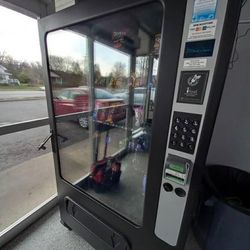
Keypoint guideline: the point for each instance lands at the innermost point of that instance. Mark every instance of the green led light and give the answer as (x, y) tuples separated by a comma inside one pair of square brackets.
[(177, 168)]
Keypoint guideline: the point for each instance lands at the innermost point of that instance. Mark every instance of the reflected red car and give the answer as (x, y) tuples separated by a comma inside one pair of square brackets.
[(109, 109)]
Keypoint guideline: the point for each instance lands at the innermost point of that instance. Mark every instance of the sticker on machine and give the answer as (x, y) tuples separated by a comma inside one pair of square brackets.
[(202, 30), (198, 63), (192, 87), (204, 10)]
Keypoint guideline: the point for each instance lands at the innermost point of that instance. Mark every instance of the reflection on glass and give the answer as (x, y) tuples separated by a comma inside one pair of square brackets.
[(103, 82), (27, 176)]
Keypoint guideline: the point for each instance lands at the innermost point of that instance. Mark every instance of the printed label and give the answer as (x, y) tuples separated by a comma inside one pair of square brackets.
[(204, 10), (202, 30), (195, 63)]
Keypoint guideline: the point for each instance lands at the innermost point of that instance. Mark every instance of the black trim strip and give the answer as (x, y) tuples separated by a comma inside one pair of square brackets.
[(20, 126)]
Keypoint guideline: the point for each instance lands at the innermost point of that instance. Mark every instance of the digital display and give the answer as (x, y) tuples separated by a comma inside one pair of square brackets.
[(177, 168), (199, 49)]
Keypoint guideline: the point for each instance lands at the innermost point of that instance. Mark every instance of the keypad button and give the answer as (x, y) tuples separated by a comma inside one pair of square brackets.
[(191, 138), (182, 144), (177, 120), (175, 135), (190, 147), (193, 131), (186, 121), (176, 128), (184, 129), (195, 123), (183, 137), (173, 143)]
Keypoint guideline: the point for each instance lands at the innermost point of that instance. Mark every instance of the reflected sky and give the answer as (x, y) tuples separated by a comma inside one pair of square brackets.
[(106, 57), (69, 44), (19, 36)]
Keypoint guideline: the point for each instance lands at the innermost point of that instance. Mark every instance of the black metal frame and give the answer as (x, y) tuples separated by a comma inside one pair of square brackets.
[(174, 12), (21, 126)]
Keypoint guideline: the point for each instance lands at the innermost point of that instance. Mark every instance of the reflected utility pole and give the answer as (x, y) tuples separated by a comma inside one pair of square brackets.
[(92, 116)]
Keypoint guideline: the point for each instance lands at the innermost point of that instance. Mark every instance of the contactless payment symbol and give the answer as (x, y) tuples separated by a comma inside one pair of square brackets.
[(192, 87), (193, 80)]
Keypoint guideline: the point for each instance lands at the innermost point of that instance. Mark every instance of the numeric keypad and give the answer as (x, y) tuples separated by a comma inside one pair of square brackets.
[(184, 131)]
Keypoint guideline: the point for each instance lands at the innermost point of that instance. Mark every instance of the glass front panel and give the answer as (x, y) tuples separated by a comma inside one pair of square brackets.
[(103, 79)]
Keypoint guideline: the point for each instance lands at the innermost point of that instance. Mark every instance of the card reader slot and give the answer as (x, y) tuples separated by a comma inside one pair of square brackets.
[(175, 179), (177, 169)]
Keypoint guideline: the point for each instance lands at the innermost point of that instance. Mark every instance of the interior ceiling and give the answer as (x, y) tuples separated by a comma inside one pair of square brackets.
[(41, 8), (32, 8)]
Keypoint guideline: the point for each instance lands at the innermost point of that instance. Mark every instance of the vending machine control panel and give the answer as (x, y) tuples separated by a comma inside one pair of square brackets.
[(197, 61)]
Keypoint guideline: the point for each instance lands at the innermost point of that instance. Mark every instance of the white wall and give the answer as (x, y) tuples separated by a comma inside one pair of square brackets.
[(231, 139)]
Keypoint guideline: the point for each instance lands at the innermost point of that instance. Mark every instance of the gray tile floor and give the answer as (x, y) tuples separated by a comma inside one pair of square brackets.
[(48, 234)]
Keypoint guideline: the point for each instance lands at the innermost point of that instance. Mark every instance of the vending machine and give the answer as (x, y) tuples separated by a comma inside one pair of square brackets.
[(133, 91)]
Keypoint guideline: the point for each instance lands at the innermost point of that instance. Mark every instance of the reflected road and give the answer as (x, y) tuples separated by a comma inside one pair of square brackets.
[(17, 111), (22, 146), (20, 94), (19, 147)]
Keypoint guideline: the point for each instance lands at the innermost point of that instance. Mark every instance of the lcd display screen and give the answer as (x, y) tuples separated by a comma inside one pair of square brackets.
[(199, 49)]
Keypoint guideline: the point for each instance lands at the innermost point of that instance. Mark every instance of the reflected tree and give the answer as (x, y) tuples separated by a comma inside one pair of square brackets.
[(142, 70), (118, 75), (72, 72), (25, 72), (97, 75)]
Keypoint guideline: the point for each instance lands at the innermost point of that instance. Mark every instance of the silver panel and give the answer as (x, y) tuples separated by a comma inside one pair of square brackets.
[(171, 207)]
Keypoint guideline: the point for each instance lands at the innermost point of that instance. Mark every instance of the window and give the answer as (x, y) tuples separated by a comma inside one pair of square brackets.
[(26, 175)]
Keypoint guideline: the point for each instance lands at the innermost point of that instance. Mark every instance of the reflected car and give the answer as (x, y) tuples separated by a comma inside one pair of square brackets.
[(139, 96), (109, 108)]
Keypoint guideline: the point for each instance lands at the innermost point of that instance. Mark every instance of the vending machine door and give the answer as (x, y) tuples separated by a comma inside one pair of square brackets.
[(133, 89)]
